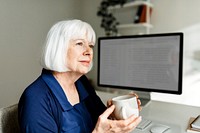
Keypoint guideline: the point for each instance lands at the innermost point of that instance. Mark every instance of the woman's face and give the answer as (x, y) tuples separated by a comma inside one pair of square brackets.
[(80, 55)]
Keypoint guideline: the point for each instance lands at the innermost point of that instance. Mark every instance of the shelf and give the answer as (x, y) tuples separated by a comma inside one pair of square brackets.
[(139, 25), (126, 25), (131, 4)]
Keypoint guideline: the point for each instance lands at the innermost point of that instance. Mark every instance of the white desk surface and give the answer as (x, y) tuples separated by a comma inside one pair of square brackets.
[(176, 116)]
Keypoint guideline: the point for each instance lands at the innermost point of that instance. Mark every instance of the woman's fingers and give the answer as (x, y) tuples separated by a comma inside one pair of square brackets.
[(109, 103), (125, 125), (139, 104), (133, 93), (116, 126), (108, 112), (134, 121)]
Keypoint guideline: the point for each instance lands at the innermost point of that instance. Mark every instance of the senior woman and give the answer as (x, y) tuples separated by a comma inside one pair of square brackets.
[(61, 99)]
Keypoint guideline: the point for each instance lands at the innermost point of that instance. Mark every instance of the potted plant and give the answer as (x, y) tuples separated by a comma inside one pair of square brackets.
[(109, 22)]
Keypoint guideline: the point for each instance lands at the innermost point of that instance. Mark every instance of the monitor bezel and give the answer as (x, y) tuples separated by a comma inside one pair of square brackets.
[(178, 92)]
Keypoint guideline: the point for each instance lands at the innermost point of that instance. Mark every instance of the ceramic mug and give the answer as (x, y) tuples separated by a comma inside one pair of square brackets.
[(125, 106)]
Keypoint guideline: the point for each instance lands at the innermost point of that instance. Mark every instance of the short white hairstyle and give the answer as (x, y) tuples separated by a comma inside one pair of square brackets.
[(57, 41)]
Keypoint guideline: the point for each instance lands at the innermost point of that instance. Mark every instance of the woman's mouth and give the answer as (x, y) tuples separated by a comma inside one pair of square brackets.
[(85, 63)]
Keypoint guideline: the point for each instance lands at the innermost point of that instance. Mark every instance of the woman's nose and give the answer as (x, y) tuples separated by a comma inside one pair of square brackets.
[(86, 53), (87, 50)]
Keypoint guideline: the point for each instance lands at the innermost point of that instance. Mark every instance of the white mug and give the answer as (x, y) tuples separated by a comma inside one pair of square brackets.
[(125, 106)]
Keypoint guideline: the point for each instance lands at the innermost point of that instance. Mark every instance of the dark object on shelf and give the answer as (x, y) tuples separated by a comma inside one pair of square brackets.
[(108, 21), (143, 18), (138, 14)]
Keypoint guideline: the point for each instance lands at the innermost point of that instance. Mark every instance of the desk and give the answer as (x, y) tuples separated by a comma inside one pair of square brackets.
[(174, 115)]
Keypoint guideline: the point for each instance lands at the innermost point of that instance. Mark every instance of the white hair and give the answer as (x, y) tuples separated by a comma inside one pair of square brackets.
[(57, 41)]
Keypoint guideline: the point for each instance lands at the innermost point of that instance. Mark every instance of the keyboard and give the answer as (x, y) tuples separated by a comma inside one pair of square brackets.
[(143, 124)]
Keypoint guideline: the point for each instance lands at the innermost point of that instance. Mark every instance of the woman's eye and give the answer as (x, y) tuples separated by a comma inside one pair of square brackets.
[(91, 46), (79, 43)]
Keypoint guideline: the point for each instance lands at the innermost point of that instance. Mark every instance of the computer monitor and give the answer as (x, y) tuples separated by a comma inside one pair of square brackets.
[(150, 62)]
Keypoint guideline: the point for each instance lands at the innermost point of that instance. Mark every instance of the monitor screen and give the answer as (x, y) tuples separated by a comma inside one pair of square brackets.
[(151, 62)]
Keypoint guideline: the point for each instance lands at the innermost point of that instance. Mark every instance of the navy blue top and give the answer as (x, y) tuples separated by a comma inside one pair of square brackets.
[(44, 107)]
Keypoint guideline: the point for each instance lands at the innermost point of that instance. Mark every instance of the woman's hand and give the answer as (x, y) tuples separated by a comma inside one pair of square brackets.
[(105, 125)]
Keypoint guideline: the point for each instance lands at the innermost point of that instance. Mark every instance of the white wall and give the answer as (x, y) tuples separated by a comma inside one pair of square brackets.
[(23, 28), (172, 15)]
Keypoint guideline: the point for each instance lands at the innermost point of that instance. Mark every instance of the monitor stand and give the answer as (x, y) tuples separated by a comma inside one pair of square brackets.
[(144, 101), (144, 97)]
